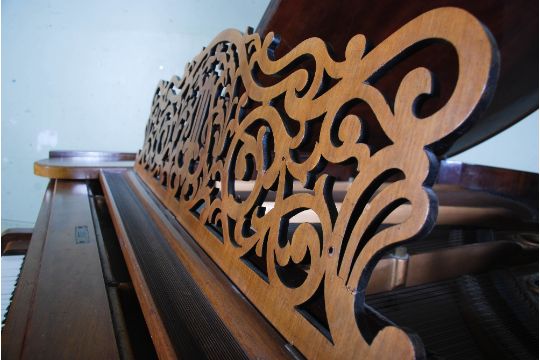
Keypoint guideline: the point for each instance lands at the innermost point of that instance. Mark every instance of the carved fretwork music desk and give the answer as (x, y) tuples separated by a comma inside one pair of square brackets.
[(284, 206)]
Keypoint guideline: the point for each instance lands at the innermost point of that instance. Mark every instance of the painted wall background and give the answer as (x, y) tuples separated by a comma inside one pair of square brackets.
[(80, 75)]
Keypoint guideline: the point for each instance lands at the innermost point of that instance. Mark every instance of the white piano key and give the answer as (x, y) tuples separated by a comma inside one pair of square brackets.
[(11, 267)]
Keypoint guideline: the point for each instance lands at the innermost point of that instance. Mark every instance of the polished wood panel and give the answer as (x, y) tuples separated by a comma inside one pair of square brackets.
[(17, 321), (95, 155), (226, 121), (81, 165), (519, 186), (155, 325), (70, 297), (61, 288), (15, 241), (76, 168)]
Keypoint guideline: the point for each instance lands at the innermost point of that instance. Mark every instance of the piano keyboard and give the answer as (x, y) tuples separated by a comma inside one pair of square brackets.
[(11, 268)]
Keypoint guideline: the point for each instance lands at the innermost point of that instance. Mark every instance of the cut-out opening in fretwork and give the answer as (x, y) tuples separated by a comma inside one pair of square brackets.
[(310, 138), (371, 132), (175, 90), (234, 170), (180, 160), (176, 136), (250, 50), (314, 310), (164, 177), (193, 164), (217, 68), (305, 63), (376, 226), (327, 82), (172, 181), (231, 225), (198, 208), (189, 192), (261, 147), (246, 108), (444, 72), (178, 191), (344, 171), (247, 229), (362, 202), (291, 125), (216, 229), (369, 321), (233, 50), (293, 274), (215, 190), (257, 263), (249, 172)]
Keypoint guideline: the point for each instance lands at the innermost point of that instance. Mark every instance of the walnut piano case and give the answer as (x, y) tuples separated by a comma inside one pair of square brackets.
[(283, 207)]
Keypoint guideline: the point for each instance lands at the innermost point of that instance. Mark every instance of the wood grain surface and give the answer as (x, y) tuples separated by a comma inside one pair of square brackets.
[(227, 120), (67, 312), (15, 241), (13, 333), (75, 168)]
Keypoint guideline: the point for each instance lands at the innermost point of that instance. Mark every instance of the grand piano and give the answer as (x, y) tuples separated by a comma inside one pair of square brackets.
[(124, 262)]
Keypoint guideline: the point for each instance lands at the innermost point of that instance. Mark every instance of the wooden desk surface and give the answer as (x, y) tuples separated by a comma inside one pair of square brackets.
[(76, 168), (79, 165)]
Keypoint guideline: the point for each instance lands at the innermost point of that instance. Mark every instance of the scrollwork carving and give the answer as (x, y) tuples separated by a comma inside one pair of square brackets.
[(220, 125)]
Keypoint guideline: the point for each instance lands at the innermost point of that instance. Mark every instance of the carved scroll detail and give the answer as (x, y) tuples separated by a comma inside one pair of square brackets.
[(224, 121)]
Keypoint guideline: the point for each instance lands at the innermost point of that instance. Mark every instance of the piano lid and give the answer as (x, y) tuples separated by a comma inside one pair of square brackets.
[(514, 25)]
